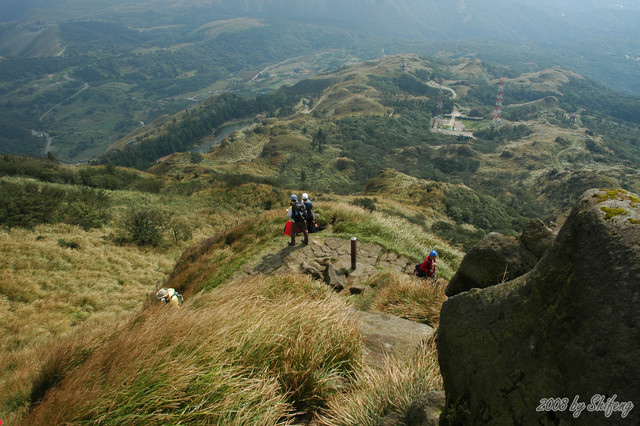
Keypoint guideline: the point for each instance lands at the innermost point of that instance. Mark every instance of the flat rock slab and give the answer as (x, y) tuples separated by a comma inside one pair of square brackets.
[(371, 258), (387, 335)]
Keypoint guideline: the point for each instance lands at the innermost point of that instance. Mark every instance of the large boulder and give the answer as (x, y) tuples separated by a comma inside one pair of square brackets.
[(498, 258), (425, 409), (568, 329)]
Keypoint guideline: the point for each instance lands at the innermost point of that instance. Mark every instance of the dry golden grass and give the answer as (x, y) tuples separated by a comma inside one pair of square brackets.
[(253, 352), (47, 288), (407, 297), (59, 300), (377, 393), (35, 367)]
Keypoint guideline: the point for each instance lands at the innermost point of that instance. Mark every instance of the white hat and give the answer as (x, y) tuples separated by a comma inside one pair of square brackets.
[(162, 293), (305, 196)]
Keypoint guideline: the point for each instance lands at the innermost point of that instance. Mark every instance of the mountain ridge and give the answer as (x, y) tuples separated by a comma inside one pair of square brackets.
[(338, 130)]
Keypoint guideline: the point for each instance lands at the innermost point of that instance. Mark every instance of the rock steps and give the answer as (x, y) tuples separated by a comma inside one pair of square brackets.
[(329, 259)]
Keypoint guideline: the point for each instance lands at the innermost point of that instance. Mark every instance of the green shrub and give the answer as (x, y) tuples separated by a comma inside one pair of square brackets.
[(144, 225), (87, 207), (27, 205), (195, 157), (68, 244), (179, 229)]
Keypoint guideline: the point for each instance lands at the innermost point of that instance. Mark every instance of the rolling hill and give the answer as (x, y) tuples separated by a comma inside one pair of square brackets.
[(88, 73), (85, 247), (335, 132)]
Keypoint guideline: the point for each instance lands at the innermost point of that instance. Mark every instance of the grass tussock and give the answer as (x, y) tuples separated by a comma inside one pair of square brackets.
[(262, 351), (34, 369), (378, 393), (406, 297)]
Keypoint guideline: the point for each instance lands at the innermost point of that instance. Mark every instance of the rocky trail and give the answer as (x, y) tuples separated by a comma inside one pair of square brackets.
[(328, 259)]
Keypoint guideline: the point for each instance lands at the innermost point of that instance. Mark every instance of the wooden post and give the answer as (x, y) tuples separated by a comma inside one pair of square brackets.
[(353, 253)]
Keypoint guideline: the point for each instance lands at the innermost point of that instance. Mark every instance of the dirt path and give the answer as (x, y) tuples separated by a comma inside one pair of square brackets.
[(435, 85), (309, 111), (556, 159)]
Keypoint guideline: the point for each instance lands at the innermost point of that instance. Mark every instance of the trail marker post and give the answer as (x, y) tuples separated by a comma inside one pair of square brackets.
[(354, 251)]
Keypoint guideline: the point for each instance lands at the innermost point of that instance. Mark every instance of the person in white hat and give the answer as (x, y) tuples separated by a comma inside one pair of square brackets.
[(309, 206), (169, 296)]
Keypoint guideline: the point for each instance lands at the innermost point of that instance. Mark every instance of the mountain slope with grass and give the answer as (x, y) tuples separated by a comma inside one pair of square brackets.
[(90, 284), (261, 337)]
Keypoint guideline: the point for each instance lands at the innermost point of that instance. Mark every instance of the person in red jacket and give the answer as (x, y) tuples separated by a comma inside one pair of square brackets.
[(428, 267)]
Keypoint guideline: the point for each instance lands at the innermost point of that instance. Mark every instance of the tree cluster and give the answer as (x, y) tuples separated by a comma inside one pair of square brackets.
[(29, 204)]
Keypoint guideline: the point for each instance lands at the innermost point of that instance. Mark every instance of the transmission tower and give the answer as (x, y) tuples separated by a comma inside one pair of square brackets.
[(440, 105), (497, 116)]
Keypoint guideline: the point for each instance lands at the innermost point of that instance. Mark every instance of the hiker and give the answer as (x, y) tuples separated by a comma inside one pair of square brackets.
[(170, 296), (311, 226), (428, 267), (298, 217)]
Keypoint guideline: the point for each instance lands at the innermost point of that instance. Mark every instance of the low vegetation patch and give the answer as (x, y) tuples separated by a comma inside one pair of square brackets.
[(410, 298), (617, 194), (28, 203), (262, 351), (392, 233), (378, 393)]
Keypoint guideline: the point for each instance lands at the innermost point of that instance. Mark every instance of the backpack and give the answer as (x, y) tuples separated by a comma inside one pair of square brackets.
[(180, 298), (299, 212)]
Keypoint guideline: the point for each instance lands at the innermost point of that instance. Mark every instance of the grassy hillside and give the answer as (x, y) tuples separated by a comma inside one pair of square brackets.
[(87, 83), (337, 131), (275, 350), (86, 247), (88, 74), (89, 287)]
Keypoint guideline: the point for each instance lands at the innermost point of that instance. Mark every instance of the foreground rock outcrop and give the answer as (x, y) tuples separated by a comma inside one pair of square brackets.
[(568, 329)]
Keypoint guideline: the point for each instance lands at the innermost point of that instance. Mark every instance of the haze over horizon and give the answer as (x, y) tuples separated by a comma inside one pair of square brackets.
[(166, 52)]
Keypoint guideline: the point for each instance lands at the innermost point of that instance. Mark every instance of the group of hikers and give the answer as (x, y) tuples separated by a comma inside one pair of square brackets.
[(301, 214), (302, 221)]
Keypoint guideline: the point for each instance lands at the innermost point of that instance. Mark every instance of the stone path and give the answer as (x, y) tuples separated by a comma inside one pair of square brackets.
[(384, 334), (371, 258)]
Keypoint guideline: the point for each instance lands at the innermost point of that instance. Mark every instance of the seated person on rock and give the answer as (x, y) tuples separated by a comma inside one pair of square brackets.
[(428, 267)]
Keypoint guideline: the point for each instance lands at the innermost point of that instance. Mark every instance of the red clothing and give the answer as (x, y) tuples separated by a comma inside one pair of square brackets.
[(429, 266)]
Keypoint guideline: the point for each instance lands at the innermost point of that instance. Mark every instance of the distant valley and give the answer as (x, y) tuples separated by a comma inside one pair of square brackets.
[(138, 61)]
